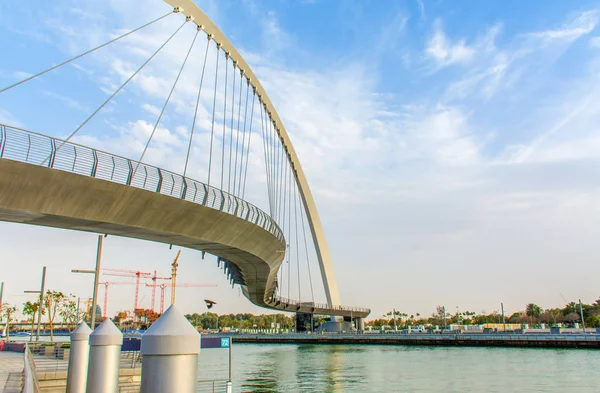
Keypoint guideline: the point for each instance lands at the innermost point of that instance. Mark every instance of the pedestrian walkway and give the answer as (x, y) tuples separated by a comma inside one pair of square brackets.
[(11, 372)]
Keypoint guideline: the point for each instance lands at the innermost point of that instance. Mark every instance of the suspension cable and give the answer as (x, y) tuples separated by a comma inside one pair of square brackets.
[(232, 117), (268, 159), (276, 172), (262, 128), (302, 212), (249, 138), (166, 102), (244, 136), (282, 166), (289, 193), (212, 128), (85, 53), (224, 121), (187, 157), (115, 93), (296, 233), (237, 138)]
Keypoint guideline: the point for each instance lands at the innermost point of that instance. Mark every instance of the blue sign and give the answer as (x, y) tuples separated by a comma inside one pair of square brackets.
[(225, 342), (214, 342)]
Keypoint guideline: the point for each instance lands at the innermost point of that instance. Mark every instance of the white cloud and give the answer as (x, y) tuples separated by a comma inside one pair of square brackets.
[(151, 109), (70, 102), (444, 52), (577, 26), (8, 119)]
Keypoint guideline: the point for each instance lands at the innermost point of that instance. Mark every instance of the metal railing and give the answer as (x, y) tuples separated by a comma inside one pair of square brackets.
[(26, 146), (30, 381), (293, 302), (212, 386)]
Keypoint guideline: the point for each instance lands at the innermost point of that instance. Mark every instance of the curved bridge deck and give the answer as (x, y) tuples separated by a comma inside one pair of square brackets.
[(41, 150), (44, 181)]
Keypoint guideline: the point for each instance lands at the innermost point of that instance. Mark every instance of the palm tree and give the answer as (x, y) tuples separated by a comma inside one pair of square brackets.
[(533, 311)]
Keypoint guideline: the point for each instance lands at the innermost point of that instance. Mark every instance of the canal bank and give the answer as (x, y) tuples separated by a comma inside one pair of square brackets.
[(524, 340)]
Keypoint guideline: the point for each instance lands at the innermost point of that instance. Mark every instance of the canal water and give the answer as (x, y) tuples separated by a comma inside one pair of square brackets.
[(362, 368)]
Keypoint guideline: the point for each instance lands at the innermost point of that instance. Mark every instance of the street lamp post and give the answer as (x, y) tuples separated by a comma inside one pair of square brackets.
[(96, 274), (41, 305)]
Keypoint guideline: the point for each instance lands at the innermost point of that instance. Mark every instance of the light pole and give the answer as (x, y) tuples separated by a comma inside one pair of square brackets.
[(41, 305), (1, 293), (581, 314), (503, 320), (96, 274)]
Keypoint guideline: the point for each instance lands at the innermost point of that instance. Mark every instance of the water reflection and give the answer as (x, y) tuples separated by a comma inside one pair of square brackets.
[(353, 369)]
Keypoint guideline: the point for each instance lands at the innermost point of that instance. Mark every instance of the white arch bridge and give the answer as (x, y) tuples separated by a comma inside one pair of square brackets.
[(234, 138)]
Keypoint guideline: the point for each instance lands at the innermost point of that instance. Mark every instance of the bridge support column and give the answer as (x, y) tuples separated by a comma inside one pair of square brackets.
[(170, 351), (360, 324), (105, 359), (78, 359), (304, 322)]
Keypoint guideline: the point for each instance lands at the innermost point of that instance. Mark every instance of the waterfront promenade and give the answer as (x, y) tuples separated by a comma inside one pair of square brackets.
[(11, 371), (536, 340)]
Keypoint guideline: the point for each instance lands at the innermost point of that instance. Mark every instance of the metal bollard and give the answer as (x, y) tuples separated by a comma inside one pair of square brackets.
[(78, 359), (105, 356), (170, 351), (229, 387)]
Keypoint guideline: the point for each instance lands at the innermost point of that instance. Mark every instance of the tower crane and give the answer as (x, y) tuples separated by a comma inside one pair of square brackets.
[(129, 273), (174, 266), (106, 284)]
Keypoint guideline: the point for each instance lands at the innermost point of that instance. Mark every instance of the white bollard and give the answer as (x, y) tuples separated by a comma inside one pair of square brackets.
[(78, 359), (170, 351), (105, 358)]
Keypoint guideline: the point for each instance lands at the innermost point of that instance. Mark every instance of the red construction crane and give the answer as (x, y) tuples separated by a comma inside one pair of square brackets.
[(155, 278), (164, 286), (106, 284), (129, 273)]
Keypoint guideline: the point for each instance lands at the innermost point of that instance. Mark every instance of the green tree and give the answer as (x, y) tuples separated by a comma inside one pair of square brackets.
[(8, 312), (69, 312), (53, 301), (533, 311), (30, 309)]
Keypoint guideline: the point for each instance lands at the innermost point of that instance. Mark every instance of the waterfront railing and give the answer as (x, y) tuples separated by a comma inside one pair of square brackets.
[(42, 150)]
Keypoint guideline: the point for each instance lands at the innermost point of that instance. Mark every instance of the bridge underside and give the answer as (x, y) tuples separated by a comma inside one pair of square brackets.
[(31, 194)]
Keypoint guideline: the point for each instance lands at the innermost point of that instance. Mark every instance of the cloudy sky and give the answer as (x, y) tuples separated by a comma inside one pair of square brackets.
[(452, 147)]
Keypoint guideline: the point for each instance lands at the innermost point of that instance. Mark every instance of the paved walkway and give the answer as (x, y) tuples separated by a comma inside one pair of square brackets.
[(11, 369)]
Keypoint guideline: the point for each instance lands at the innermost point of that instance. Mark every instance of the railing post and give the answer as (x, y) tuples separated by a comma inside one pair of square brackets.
[(195, 191), (95, 164), (183, 187), (222, 200), (74, 159), (130, 173), (3, 141), (105, 357), (172, 184), (112, 173), (78, 359), (28, 147), (53, 153), (169, 352), (205, 195), (145, 177), (160, 181)]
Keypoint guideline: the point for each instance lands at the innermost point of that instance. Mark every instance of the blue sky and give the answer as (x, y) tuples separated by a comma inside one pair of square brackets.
[(451, 146)]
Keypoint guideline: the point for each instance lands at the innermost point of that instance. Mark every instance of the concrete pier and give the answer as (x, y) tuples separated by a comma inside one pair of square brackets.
[(105, 356), (170, 351), (79, 359)]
